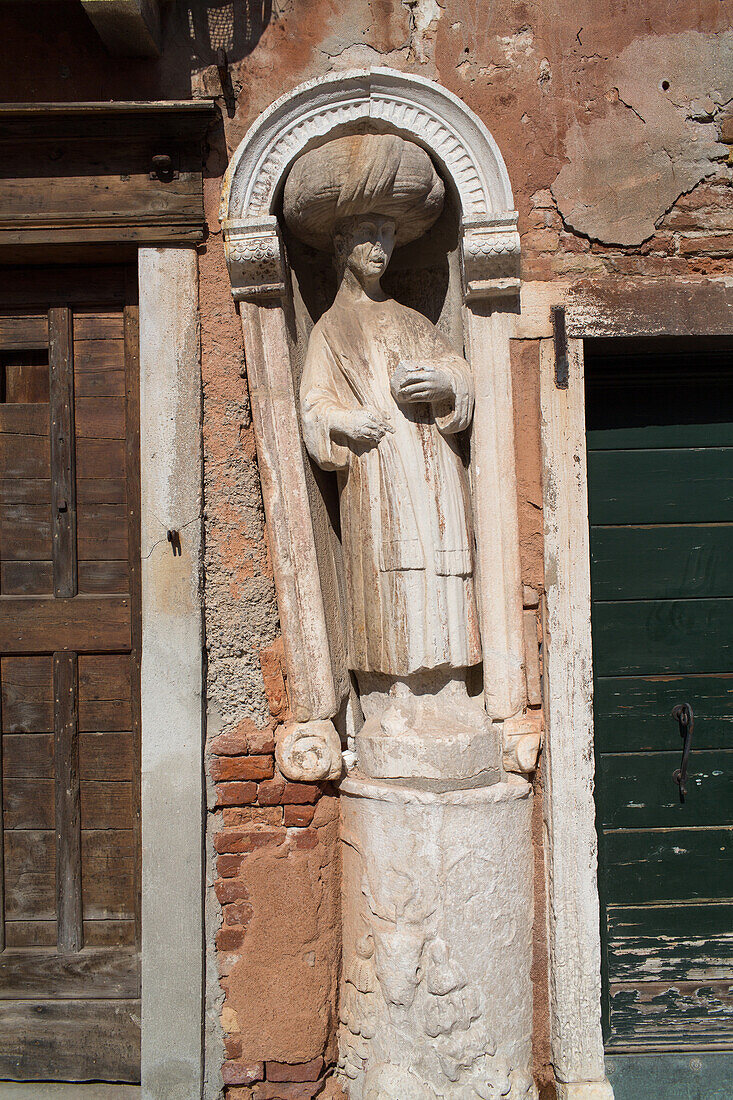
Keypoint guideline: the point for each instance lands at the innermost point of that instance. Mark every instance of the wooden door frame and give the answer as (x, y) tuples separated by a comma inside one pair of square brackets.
[(659, 307)]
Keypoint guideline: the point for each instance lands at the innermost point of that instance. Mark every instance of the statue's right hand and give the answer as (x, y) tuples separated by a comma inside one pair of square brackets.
[(363, 425)]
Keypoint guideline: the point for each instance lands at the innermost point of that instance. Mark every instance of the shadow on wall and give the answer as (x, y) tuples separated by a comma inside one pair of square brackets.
[(58, 56), (235, 26)]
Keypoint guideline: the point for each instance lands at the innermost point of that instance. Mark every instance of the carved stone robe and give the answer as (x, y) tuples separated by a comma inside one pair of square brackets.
[(404, 503)]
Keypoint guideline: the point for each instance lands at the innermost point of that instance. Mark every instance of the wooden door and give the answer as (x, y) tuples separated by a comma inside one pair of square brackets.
[(660, 478), (69, 672)]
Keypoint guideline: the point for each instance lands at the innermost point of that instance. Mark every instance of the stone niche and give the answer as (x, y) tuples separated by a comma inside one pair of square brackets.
[(382, 405)]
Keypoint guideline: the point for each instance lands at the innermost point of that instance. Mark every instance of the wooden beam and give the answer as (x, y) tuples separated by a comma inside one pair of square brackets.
[(111, 190), (63, 451), (70, 935)]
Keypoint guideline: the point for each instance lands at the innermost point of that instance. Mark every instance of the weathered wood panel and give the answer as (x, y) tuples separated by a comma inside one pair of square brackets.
[(25, 456), (25, 532), (670, 942), (83, 624), (99, 457), (104, 576), (90, 973), (27, 578), (102, 756), (29, 804), (108, 882), (661, 436), (27, 694), (100, 383), (25, 418), (670, 562), (97, 933), (102, 531), (635, 712), (100, 490), (94, 324), (25, 491), (661, 486), (63, 451), (100, 418), (93, 354), (668, 865), (70, 1041), (663, 1014), (68, 802), (662, 636), (19, 332), (636, 790)]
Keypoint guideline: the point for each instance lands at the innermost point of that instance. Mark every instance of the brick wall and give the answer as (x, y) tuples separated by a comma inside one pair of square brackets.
[(278, 944)]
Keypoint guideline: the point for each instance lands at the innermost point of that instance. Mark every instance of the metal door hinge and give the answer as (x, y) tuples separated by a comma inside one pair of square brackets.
[(561, 347)]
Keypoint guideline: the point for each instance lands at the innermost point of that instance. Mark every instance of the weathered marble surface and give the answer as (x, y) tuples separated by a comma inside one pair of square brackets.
[(436, 998)]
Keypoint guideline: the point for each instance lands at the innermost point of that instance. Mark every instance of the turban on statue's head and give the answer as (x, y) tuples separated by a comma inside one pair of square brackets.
[(362, 174)]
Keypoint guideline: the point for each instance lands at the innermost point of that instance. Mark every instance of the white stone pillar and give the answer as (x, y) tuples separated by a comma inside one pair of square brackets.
[(436, 997), (575, 949), (172, 725)]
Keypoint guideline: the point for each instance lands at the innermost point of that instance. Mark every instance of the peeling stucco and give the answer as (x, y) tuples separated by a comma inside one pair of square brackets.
[(657, 139)]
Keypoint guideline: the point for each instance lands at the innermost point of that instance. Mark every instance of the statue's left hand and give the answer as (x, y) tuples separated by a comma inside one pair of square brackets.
[(435, 384)]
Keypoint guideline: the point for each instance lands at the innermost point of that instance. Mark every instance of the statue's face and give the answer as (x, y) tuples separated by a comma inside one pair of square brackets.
[(366, 244)]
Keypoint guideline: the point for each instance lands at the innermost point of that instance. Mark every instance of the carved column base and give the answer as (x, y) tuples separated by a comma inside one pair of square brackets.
[(436, 999)]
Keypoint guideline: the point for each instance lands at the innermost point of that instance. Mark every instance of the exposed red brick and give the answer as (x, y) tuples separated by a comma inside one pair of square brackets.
[(235, 794), (229, 939), (261, 741), (233, 743), (239, 912), (228, 865), (238, 1093), (302, 1071), (235, 816), (242, 1073), (247, 840), (304, 1090), (298, 815), (242, 767), (272, 665), (306, 838), (230, 889), (278, 790), (233, 1046), (721, 245)]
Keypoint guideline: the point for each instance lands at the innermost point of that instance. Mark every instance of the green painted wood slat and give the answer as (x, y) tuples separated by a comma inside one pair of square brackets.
[(664, 486), (669, 562), (636, 790), (648, 865), (662, 636), (635, 712)]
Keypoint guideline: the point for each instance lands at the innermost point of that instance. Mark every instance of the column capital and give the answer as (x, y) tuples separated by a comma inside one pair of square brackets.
[(490, 250), (255, 257)]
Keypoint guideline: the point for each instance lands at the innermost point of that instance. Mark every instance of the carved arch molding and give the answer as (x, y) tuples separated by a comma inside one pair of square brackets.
[(468, 157)]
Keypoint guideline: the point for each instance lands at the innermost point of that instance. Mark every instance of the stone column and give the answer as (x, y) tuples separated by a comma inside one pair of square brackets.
[(171, 678), (436, 999)]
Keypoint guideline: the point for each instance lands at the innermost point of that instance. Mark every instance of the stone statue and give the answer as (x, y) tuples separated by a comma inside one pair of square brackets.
[(384, 399)]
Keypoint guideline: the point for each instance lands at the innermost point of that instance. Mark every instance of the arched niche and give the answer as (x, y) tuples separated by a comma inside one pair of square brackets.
[(488, 285)]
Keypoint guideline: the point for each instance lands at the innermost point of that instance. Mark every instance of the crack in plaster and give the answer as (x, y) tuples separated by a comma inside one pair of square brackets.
[(624, 172)]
